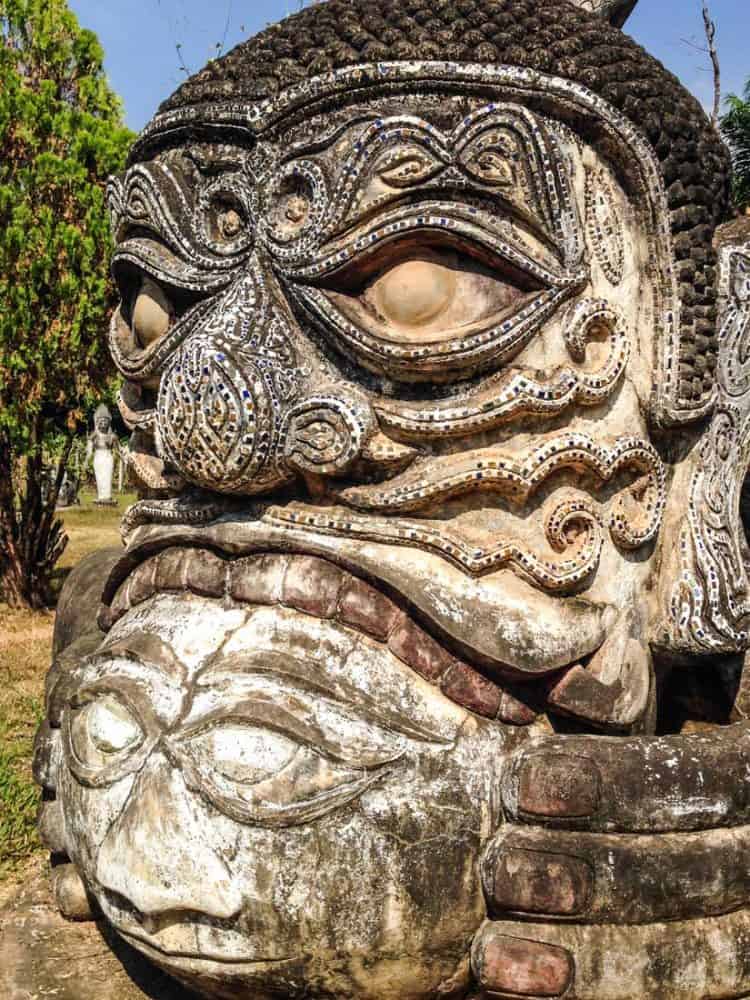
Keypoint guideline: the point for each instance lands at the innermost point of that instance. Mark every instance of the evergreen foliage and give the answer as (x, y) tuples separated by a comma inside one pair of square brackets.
[(735, 127), (61, 135)]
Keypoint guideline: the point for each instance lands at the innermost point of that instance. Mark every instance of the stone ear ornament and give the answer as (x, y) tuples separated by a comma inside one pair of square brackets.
[(709, 606)]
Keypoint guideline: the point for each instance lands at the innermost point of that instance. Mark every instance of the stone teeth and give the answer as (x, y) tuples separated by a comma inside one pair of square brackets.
[(206, 574), (317, 587), (258, 579)]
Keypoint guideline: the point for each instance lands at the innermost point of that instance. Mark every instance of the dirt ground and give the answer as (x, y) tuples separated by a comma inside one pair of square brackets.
[(25, 644)]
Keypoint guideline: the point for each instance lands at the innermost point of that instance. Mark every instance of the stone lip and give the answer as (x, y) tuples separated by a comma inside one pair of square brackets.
[(486, 620), (323, 590)]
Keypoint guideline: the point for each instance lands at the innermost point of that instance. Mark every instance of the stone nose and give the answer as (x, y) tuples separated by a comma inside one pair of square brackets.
[(158, 854)]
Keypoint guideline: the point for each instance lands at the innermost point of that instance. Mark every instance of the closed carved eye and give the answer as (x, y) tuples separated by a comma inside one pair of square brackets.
[(267, 777), (268, 751)]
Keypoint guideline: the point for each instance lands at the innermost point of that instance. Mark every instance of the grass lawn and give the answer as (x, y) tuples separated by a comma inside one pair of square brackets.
[(25, 649)]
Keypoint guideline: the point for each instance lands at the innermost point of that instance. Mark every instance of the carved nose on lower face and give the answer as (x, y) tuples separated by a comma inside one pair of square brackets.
[(157, 854)]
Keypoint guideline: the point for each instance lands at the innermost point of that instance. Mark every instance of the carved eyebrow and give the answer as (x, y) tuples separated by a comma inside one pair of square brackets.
[(137, 662), (291, 672), (148, 649)]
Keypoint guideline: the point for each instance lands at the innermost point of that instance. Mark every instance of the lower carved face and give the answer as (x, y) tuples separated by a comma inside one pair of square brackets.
[(273, 799)]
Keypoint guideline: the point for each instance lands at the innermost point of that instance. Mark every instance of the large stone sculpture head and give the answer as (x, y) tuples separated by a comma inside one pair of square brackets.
[(422, 330)]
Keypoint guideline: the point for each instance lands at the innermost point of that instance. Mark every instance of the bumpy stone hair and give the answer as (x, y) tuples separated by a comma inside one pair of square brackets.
[(553, 37)]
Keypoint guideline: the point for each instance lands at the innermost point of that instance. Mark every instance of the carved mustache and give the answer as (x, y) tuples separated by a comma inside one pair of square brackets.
[(571, 526), (572, 523), (492, 469)]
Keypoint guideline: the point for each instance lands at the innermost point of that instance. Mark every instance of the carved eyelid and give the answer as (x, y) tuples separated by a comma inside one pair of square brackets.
[(130, 680), (320, 722), (125, 761), (294, 673)]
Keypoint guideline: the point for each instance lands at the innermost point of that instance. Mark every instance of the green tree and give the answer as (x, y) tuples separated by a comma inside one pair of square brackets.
[(735, 127), (61, 135)]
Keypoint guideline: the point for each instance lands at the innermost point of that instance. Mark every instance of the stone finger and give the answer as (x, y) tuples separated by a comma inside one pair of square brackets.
[(641, 785), (706, 959), (623, 879)]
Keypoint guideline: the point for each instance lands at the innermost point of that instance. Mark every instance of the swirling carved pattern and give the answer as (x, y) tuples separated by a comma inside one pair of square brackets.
[(734, 332), (522, 392), (572, 528), (178, 201), (634, 518), (210, 412), (709, 606), (325, 434)]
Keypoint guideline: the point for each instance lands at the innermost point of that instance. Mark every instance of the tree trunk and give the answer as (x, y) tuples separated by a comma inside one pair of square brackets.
[(710, 28), (32, 539), (11, 562)]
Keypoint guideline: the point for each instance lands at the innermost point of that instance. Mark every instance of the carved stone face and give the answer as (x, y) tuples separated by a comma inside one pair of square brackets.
[(422, 333), (396, 350)]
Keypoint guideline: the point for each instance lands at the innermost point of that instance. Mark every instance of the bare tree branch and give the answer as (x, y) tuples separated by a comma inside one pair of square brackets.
[(710, 26)]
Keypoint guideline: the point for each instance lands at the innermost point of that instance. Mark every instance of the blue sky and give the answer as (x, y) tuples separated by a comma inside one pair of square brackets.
[(140, 39)]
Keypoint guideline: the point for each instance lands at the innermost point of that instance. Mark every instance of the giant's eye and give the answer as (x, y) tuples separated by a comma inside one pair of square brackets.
[(103, 731), (427, 295), (268, 752), (414, 293), (244, 753)]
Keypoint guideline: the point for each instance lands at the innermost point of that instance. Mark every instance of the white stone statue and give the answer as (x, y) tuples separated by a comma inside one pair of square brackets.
[(102, 446)]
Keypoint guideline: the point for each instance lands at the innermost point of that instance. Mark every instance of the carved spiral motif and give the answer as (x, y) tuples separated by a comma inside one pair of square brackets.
[(324, 434), (709, 605)]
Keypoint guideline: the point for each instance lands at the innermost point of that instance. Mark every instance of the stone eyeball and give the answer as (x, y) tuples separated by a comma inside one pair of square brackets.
[(101, 730), (414, 292), (153, 313)]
